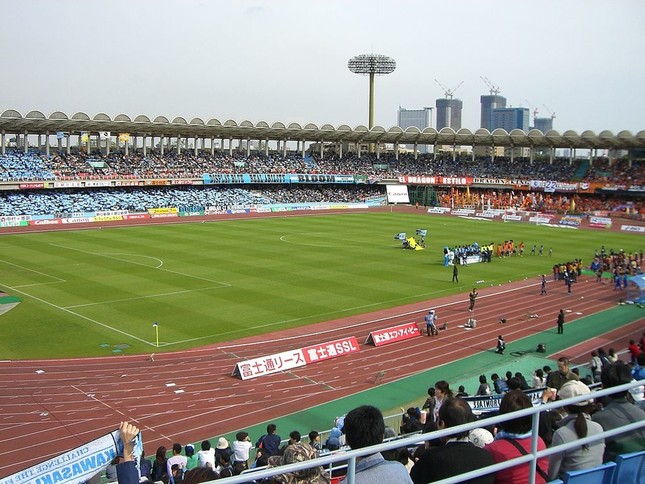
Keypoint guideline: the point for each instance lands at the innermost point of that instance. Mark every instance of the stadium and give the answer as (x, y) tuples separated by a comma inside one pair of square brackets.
[(202, 278), (302, 273)]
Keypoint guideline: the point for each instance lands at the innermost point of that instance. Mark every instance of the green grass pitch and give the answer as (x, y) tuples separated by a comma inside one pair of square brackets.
[(86, 291)]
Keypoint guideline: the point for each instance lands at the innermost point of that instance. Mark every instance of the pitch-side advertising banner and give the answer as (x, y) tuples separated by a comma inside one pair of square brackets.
[(288, 360)]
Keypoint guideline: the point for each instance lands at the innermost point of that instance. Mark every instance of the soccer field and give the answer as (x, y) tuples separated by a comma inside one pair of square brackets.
[(99, 291)]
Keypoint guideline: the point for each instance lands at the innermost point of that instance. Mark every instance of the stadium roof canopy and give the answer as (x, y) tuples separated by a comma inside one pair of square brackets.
[(35, 122)]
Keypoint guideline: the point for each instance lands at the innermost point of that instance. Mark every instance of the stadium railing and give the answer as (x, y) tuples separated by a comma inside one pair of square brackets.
[(351, 456)]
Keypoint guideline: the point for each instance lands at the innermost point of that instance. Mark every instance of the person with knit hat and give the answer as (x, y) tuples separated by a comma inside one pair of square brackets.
[(575, 426), (295, 453)]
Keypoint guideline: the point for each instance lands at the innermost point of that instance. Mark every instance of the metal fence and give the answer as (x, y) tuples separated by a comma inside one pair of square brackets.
[(350, 456)]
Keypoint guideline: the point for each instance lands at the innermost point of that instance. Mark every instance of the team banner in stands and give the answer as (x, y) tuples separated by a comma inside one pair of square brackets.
[(288, 360), (392, 335), (76, 465), (436, 180), (490, 403), (249, 178)]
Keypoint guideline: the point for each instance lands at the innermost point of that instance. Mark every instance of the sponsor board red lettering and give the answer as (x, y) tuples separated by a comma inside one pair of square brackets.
[(51, 221), (136, 216), (392, 335), (332, 349)]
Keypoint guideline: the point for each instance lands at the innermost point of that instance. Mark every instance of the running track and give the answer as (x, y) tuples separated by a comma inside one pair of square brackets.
[(50, 406)]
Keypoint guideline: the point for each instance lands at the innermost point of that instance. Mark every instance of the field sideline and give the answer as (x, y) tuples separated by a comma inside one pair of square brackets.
[(93, 292)]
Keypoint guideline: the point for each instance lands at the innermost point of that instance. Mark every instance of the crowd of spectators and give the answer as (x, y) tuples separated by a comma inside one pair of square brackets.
[(65, 202), (19, 166), (440, 458), (32, 166)]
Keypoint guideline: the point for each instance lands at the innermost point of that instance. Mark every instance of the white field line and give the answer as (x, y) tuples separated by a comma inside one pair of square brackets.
[(142, 297), (95, 254), (94, 321), (56, 279)]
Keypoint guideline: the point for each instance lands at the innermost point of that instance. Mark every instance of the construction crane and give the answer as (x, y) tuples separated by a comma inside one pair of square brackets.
[(449, 93), (535, 110), (549, 111), (492, 88)]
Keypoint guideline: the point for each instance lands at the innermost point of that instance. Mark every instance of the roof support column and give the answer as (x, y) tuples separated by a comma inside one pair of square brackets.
[(322, 150), (230, 146), (551, 154), (195, 141), (26, 142), (68, 144), (212, 145), (47, 143), (512, 154), (3, 150), (59, 141), (591, 156), (454, 152), (378, 151), (531, 154), (145, 140), (266, 147), (472, 154), (416, 150), (161, 143), (492, 154), (358, 149), (107, 146), (126, 142), (40, 142), (248, 147), (340, 149), (572, 154), (284, 148), (396, 151), (302, 151), (178, 144)]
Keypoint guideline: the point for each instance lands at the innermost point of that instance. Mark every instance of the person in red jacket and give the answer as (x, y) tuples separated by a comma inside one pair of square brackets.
[(634, 351), (513, 439)]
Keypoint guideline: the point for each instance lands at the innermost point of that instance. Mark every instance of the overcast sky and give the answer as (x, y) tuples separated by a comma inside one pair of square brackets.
[(287, 60)]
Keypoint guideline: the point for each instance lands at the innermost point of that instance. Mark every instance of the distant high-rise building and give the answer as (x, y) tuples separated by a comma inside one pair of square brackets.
[(510, 119), (449, 113), (543, 124), (488, 103), (419, 118)]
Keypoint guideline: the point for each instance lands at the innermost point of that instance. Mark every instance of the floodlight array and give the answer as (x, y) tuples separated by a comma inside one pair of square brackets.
[(371, 64)]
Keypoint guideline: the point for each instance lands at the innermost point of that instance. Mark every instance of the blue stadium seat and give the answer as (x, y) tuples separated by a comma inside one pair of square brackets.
[(598, 475), (630, 468)]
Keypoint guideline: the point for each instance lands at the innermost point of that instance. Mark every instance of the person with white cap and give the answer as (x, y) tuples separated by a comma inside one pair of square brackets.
[(576, 425), (221, 449)]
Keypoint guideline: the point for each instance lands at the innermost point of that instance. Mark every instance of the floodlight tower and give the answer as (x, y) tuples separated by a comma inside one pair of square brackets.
[(372, 65)]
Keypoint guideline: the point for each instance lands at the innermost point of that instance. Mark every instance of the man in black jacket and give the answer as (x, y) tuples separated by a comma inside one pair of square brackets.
[(458, 454)]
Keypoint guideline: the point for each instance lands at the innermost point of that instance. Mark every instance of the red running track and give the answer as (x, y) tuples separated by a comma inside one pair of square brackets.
[(50, 406)]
